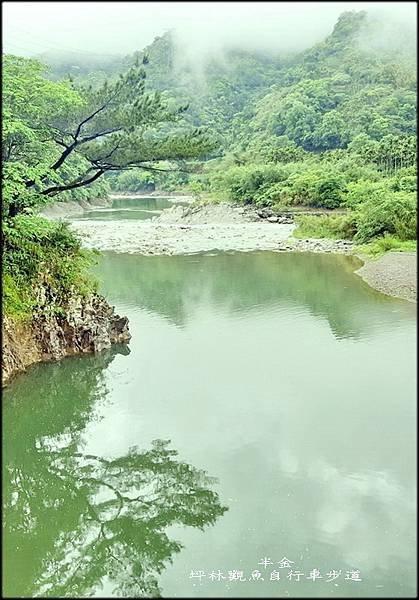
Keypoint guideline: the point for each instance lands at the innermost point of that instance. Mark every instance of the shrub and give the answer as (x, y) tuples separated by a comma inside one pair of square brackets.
[(294, 183), (317, 188), (17, 301), (274, 194), (36, 250), (390, 212), (247, 184), (405, 180), (362, 191), (328, 192), (336, 227), (133, 181)]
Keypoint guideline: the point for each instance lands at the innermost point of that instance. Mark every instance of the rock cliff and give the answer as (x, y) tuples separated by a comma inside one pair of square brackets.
[(83, 324)]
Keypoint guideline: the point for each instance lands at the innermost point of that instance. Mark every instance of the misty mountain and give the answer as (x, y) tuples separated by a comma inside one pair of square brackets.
[(239, 92)]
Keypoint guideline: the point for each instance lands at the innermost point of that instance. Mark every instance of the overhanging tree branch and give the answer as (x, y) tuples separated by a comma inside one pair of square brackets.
[(122, 127), (52, 191)]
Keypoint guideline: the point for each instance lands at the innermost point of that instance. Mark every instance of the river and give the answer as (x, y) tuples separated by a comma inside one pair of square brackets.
[(256, 438)]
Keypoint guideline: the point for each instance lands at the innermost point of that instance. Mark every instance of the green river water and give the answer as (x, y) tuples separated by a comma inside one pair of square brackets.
[(261, 420), (130, 208)]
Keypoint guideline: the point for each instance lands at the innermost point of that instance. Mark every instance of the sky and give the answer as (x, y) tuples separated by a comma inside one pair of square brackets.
[(105, 28)]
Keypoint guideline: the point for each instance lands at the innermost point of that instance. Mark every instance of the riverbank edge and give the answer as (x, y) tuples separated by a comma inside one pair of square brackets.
[(73, 208), (395, 277), (91, 325), (84, 325), (377, 273), (393, 274)]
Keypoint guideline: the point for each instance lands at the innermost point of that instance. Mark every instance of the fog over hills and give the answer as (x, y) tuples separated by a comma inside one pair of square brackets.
[(202, 28)]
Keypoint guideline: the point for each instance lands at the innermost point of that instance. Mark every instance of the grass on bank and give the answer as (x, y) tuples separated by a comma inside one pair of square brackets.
[(334, 227), (342, 227), (387, 243), (41, 252)]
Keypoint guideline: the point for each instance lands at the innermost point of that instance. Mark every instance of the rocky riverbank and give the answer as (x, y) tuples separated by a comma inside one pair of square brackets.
[(227, 227), (193, 229), (221, 213), (82, 325), (394, 274), (73, 208)]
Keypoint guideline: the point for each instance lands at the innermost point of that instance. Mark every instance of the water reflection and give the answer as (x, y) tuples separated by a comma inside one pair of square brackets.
[(129, 208), (312, 436), (325, 285), (73, 519)]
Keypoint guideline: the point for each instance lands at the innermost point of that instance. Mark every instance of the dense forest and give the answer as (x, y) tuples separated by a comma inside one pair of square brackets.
[(332, 128)]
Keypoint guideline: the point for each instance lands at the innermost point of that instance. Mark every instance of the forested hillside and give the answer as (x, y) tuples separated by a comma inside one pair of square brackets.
[(333, 127), (209, 292), (330, 128)]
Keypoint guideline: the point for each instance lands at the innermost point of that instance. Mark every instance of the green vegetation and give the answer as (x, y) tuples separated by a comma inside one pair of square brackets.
[(388, 242), (331, 128), (337, 227), (133, 181), (336, 132), (60, 138), (41, 252)]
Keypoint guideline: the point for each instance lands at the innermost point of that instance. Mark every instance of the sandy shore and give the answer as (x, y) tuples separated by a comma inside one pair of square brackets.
[(394, 273), (192, 229), (151, 238), (224, 227)]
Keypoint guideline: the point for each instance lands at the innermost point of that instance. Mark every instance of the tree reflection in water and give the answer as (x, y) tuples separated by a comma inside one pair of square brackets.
[(73, 520)]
